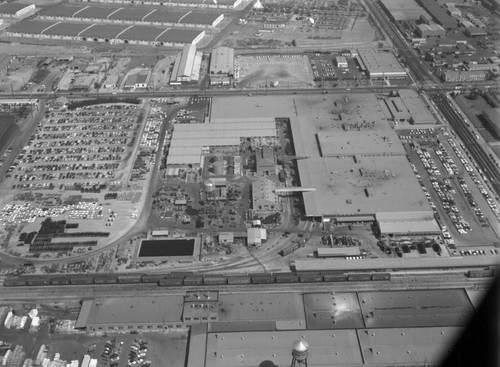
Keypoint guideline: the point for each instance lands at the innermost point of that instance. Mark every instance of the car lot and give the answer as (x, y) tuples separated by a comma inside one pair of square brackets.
[(77, 148), (447, 178)]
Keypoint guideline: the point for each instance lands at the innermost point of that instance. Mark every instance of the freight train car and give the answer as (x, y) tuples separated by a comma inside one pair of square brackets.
[(218, 280), (381, 276), (129, 279), (335, 277), (106, 279), (239, 280), (193, 280), (263, 279), (480, 273), (170, 282), (287, 278), (152, 278), (359, 277), (311, 278)]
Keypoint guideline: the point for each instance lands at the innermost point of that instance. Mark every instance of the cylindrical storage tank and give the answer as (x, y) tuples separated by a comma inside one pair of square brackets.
[(209, 186)]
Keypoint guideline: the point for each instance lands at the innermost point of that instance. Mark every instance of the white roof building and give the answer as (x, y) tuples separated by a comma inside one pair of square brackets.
[(187, 65), (256, 236), (222, 61), (381, 64)]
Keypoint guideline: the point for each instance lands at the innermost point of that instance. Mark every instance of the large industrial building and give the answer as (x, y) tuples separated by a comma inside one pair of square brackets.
[(190, 142), (408, 107), (264, 197), (131, 15), (222, 4), (222, 61), (432, 30), (491, 116), (355, 189), (381, 65), (187, 66), (258, 329), (439, 14), (403, 10), (105, 33)]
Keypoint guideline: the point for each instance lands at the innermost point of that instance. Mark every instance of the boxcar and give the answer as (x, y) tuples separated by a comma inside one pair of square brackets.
[(287, 278), (105, 279), (59, 281), (335, 277), (214, 280), (14, 282), (81, 280), (38, 281), (152, 278), (170, 282), (239, 280), (129, 279), (358, 276), (311, 278), (193, 280), (263, 279), (381, 276)]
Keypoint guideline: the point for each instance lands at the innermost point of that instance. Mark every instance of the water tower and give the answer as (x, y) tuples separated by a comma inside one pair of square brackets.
[(300, 351)]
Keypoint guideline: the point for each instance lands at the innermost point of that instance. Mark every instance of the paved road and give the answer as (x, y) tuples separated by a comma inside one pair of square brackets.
[(420, 73)]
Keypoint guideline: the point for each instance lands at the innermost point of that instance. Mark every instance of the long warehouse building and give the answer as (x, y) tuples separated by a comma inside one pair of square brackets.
[(382, 65), (105, 33), (131, 15), (191, 141)]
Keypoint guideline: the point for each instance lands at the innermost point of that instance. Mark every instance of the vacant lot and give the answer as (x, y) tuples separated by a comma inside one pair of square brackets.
[(292, 71)]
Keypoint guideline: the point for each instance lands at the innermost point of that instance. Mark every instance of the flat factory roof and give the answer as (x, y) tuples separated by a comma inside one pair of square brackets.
[(381, 63), (134, 310), (443, 307), (360, 143), (418, 110), (406, 263), (261, 307), (439, 14), (248, 108), (404, 9), (406, 346), (365, 186), (332, 311), (327, 348)]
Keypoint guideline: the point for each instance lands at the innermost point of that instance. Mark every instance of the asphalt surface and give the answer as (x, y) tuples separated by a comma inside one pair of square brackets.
[(480, 157)]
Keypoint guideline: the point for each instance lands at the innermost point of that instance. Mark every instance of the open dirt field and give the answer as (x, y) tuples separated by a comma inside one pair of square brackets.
[(292, 71)]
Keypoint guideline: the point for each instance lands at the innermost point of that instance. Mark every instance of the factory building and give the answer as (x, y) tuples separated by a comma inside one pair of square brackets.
[(407, 224), (190, 142), (256, 237), (382, 65), (187, 66), (432, 30), (402, 10), (341, 62), (218, 4), (492, 118), (266, 162), (264, 197), (463, 76), (439, 14), (222, 61), (16, 10)]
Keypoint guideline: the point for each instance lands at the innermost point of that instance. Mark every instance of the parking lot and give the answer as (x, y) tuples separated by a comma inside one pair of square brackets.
[(325, 70), (455, 193)]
